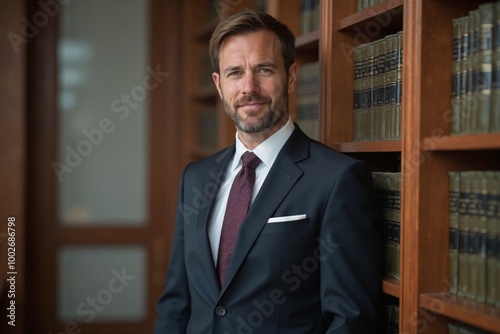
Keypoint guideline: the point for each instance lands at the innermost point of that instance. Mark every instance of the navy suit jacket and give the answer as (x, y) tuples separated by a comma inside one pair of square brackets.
[(316, 274)]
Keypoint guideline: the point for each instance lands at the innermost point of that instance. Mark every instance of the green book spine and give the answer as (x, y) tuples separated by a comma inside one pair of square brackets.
[(483, 237), (464, 79), (454, 178), (485, 66), (365, 87), (463, 227), (495, 105), (399, 85), (388, 189), (473, 243), (491, 193), (389, 86), (358, 77), (392, 85), (371, 67), (472, 103), (456, 75)]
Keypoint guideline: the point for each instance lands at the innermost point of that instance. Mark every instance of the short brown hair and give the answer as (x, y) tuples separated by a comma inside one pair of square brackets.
[(251, 21)]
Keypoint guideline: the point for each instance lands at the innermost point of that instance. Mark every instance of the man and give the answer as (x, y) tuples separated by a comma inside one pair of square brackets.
[(306, 256)]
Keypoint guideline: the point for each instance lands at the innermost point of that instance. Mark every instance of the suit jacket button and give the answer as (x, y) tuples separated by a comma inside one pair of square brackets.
[(220, 311)]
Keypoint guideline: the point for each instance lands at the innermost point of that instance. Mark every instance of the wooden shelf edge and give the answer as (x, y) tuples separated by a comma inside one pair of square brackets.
[(391, 286), (205, 94), (375, 146), (489, 141), (308, 41), (477, 314), (360, 18)]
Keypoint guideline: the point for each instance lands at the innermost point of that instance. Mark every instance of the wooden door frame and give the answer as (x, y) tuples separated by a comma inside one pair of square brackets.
[(44, 237), (12, 166)]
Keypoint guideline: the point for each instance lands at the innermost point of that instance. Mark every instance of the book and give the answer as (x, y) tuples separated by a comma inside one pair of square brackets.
[(454, 178), (459, 328), (308, 94), (388, 189), (484, 66), (456, 75), (495, 81), (309, 16), (475, 95), (364, 4), (475, 274), (463, 227), (492, 229), (378, 89), (207, 129)]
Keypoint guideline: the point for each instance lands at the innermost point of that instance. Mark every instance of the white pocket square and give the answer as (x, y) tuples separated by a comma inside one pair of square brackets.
[(286, 219)]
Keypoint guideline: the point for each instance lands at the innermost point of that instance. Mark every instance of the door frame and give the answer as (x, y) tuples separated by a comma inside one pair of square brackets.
[(44, 234)]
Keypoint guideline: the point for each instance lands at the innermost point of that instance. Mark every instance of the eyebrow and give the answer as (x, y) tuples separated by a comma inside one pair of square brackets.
[(259, 65)]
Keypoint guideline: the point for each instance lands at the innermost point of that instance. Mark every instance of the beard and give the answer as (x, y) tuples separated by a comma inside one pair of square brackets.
[(272, 116)]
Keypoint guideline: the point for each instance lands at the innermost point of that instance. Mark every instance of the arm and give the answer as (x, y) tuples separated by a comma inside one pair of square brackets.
[(350, 275), (174, 303)]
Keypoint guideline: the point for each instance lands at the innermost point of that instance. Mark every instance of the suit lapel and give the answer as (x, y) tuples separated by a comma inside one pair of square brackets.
[(280, 180), (215, 176)]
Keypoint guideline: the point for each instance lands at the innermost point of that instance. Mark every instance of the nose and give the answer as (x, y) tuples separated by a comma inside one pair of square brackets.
[(250, 84)]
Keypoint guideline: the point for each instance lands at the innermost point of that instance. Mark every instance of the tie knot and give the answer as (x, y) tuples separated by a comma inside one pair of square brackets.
[(250, 160)]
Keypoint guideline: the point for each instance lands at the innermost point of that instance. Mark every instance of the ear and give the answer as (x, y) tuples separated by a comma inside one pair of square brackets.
[(293, 75), (216, 78)]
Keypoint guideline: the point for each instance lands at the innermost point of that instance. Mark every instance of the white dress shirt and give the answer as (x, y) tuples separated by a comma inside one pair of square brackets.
[(267, 151)]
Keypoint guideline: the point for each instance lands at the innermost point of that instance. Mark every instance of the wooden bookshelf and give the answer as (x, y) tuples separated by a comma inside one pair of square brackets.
[(424, 155), (378, 146), (461, 143), (391, 286), (427, 150), (479, 315)]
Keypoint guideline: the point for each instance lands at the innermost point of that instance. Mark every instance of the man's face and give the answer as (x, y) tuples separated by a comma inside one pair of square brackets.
[(253, 82)]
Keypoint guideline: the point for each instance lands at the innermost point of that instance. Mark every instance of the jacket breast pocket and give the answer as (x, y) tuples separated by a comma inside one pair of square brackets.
[(292, 226)]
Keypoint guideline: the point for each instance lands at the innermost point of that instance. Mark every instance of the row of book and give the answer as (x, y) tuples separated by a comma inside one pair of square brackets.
[(308, 95), (388, 191), (459, 328), (309, 16), (377, 89), (260, 5), (363, 4), (391, 319), (474, 235), (476, 71), (207, 129)]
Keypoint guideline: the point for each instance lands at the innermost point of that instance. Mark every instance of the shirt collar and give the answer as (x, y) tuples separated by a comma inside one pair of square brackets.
[(268, 150)]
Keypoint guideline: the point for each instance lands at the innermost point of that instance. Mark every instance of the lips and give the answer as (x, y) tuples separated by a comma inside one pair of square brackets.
[(251, 103)]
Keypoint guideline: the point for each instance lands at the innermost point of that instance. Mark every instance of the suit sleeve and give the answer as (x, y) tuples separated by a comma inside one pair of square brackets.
[(174, 303), (350, 275)]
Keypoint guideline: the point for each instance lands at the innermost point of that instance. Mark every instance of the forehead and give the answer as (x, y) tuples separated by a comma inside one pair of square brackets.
[(259, 45)]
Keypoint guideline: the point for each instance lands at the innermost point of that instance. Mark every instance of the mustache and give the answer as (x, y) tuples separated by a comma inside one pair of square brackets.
[(252, 98)]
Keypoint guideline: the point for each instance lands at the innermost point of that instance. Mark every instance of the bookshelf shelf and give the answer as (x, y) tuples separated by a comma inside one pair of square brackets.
[(205, 94), (478, 314), (376, 146), (308, 41), (388, 14), (391, 286), (472, 142)]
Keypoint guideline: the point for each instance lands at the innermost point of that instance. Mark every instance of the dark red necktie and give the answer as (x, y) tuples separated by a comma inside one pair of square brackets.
[(237, 207)]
